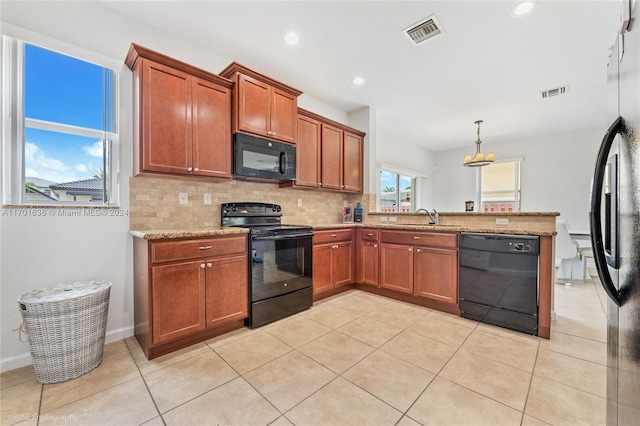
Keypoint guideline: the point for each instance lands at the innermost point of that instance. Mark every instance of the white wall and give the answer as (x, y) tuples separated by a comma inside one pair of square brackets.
[(556, 173), (41, 251), (405, 155)]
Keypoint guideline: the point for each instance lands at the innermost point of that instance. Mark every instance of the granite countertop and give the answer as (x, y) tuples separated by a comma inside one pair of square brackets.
[(466, 213), (161, 234), (439, 228)]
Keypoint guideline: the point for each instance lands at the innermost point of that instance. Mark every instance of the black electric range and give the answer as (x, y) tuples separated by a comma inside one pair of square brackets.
[(280, 261)]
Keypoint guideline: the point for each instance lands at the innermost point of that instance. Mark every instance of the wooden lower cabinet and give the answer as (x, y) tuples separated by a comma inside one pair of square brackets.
[(177, 295), (226, 289), (396, 267), (367, 256), (436, 274), (333, 260), (188, 290), (423, 271)]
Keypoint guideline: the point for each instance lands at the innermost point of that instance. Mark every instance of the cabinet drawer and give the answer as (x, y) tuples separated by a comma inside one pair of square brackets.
[(166, 251), (332, 236), (369, 234), (431, 239)]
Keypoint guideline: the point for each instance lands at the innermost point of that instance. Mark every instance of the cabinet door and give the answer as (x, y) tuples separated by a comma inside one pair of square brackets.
[(342, 263), (178, 291), (254, 102), (322, 273), (352, 162), (227, 289), (284, 115), (396, 267), (368, 263), (436, 274), (211, 129), (166, 123), (308, 152), (331, 157)]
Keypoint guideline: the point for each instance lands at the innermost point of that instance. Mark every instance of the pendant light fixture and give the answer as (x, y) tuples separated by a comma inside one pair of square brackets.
[(479, 159)]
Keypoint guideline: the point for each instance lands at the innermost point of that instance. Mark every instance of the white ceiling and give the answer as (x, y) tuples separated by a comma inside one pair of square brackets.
[(486, 65)]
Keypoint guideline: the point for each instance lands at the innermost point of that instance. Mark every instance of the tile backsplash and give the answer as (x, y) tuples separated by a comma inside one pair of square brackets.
[(154, 202)]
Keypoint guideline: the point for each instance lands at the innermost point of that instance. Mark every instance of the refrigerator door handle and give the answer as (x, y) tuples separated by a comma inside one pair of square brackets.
[(595, 218)]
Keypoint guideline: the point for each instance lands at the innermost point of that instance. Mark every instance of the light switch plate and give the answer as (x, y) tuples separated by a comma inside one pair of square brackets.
[(299, 202), (207, 198), (502, 221), (183, 198)]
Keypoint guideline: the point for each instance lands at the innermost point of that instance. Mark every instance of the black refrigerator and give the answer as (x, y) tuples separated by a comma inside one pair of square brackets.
[(615, 221)]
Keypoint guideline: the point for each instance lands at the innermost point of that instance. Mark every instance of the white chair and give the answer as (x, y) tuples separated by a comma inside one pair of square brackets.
[(566, 248), (586, 253)]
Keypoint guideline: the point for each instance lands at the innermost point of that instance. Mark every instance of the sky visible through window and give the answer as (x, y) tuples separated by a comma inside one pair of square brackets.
[(67, 91)]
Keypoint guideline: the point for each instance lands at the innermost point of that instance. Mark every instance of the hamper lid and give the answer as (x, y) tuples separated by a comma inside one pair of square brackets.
[(64, 292)]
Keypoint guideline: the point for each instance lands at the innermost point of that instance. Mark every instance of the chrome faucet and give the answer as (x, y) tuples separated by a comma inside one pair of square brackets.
[(435, 217)]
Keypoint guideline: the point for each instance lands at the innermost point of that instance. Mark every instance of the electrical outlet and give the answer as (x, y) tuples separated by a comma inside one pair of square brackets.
[(183, 198), (383, 218), (207, 198), (393, 219), (299, 202), (502, 221)]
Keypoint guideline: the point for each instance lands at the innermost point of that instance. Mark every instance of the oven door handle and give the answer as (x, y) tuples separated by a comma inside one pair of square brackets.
[(280, 237)]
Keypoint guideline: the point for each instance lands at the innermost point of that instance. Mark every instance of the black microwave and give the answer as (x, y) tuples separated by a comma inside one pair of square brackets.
[(256, 158)]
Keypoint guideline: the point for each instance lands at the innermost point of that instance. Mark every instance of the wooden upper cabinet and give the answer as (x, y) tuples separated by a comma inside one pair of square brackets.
[(182, 117), (332, 141), (330, 155), (263, 106), (211, 114), (253, 106), (352, 162), (308, 152), (166, 118), (284, 116)]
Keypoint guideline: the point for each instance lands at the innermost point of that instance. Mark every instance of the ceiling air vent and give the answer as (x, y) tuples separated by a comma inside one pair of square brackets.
[(423, 30), (554, 92)]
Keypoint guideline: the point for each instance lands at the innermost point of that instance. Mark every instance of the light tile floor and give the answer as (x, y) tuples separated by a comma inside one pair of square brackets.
[(353, 359)]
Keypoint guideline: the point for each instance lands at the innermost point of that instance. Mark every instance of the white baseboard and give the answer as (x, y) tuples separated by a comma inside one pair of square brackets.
[(22, 360)]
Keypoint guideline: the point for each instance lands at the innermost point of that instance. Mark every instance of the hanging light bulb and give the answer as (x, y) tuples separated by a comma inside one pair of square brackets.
[(479, 159)]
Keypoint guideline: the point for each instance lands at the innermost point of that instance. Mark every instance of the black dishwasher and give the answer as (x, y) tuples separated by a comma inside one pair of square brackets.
[(498, 280)]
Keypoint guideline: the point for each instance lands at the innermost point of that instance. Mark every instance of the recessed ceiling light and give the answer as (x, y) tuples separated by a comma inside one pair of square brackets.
[(523, 8), (358, 81), (291, 38)]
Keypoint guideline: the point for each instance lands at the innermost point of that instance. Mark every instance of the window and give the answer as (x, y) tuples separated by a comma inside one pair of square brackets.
[(396, 192), (60, 135), (499, 186)]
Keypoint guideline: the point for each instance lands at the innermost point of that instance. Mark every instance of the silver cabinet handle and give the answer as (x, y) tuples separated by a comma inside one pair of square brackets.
[(204, 247), (370, 235), (319, 183), (416, 238), (195, 170), (418, 250), (209, 265), (189, 169), (334, 235), (375, 246), (202, 265)]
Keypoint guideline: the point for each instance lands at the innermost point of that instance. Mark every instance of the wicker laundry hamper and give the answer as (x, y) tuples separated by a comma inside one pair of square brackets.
[(66, 325)]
